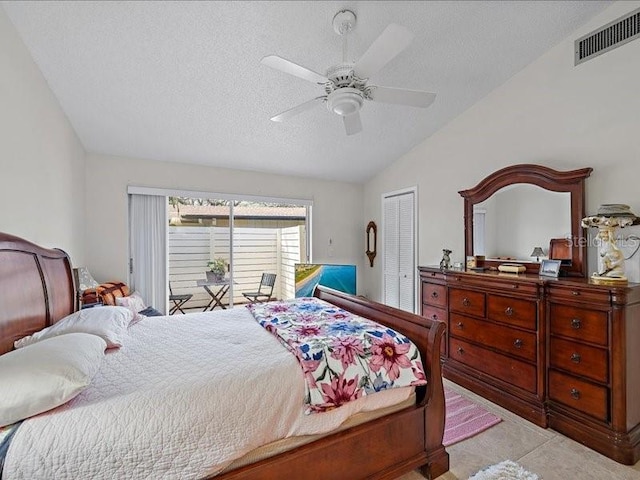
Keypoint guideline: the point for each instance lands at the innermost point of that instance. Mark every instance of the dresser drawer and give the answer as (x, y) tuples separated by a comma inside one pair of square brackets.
[(431, 274), (579, 323), (575, 393), (435, 295), (508, 340), (507, 369), (466, 301), (434, 313), (504, 283), (579, 359), (578, 294), (521, 313), (438, 315)]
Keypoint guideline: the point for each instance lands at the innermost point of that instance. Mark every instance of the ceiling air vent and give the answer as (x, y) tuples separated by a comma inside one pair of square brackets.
[(608, 37)]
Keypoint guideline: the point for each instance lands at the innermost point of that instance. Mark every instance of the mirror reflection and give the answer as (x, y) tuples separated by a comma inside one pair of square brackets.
[(518, 218)]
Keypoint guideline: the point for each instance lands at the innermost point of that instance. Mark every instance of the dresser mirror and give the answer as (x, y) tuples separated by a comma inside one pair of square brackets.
[(521, 207), (529, 225)]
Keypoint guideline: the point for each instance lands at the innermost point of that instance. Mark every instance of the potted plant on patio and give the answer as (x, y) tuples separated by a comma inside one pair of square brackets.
[(217, 269)]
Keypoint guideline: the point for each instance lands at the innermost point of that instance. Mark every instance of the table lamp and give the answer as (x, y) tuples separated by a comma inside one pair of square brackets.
[(537, 252), (610, 257)]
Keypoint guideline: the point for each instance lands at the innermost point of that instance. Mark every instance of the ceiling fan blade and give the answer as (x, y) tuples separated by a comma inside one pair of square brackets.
[(294, 69), (390, 43), (352, 123), (402, 96), (286, 115)]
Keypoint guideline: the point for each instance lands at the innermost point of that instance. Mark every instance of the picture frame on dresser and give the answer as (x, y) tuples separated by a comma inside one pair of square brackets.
[(550, 268)]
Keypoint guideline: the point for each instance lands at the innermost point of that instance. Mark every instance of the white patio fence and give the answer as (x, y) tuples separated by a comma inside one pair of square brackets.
[(256, 250)]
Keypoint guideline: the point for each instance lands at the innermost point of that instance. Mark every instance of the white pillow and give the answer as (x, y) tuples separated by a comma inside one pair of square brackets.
[(108, 322), (47, 374), (133, 302)]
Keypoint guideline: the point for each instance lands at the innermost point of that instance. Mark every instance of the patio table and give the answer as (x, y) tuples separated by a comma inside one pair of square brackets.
[(216, 289)]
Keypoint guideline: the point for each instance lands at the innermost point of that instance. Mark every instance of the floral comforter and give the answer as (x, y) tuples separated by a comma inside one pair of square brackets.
[(343, 356)]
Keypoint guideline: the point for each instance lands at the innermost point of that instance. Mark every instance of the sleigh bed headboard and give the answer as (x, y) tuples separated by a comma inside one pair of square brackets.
[(36, 288)]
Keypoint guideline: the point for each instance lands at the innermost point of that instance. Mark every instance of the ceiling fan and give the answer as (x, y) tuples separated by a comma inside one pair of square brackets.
[(346, 85)]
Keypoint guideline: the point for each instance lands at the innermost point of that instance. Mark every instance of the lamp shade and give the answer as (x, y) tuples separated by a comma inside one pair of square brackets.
[(537, 252)]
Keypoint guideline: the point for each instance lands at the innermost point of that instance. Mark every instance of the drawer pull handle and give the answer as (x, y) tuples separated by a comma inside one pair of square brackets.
[(466, 302), (575, 394), (518, 343), (508, 311), (575, 292), (460, 325), (514, 285), (434, 294), (576, 323), (433, 274), (460, 350), (434, 316), (575, 357)]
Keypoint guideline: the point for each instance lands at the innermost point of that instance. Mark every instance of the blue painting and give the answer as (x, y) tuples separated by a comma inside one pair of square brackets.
[(338, 277)]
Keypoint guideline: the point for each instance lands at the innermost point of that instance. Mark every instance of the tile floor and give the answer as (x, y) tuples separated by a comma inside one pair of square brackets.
[(543, 451)]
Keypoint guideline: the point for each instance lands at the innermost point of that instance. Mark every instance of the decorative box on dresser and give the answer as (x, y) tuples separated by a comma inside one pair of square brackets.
[(562, 353)]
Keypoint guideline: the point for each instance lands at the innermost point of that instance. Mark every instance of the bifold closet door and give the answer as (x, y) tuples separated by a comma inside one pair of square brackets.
[(399, 251)]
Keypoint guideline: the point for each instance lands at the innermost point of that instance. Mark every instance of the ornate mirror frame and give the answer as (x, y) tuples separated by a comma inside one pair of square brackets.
[(372, 237), (571, 181)]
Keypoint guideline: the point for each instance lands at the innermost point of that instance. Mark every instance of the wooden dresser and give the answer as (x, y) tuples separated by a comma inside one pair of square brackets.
[(561, 353)]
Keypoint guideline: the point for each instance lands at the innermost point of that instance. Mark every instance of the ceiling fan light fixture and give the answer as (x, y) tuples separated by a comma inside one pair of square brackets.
[(346, 85), (345, 101)]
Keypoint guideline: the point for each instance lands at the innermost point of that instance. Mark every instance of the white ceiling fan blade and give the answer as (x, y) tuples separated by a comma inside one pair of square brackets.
[(294, 69), (352, 123), (390, 43), (286, 115), (402, 96)]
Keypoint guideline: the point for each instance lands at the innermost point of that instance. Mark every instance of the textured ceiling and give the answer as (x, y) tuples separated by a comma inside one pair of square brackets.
[(182, 81)]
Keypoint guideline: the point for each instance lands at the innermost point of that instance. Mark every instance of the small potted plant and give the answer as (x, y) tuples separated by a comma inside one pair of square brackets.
[(217, 269)]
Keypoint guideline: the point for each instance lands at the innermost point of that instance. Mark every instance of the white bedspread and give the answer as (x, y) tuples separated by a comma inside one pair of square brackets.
[(184, 397)]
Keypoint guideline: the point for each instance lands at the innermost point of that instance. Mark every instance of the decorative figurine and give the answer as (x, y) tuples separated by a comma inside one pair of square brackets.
[(445, 263), (610, 257)]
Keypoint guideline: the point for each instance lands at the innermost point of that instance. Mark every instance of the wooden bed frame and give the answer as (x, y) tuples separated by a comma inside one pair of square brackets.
[(37, 289)]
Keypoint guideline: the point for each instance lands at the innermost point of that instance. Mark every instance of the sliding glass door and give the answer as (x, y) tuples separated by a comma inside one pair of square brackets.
[(219, 249)]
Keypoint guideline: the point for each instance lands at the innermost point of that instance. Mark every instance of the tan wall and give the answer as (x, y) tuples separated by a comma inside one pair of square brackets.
[(41, 158), (551, 113), (337, 210)]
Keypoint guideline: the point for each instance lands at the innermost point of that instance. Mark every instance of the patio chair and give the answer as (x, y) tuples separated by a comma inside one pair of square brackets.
[(265, 289), (178, 301)]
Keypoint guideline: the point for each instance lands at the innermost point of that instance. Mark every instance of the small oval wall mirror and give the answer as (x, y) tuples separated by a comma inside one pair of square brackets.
[(372, 233)]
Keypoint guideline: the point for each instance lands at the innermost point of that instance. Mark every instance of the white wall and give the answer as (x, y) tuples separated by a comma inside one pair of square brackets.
[(337, 210), (551, 113), (41, 158)]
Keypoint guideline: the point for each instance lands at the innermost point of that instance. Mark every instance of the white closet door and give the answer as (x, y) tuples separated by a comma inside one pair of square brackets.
[(399, 251), (391, 252), (406, 236)]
